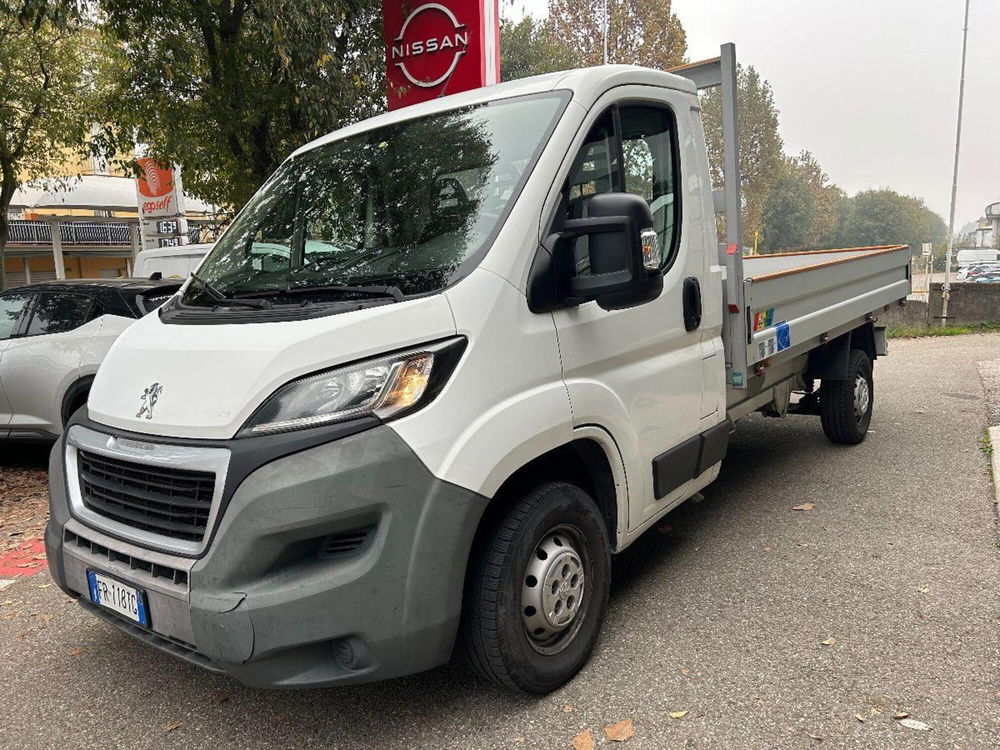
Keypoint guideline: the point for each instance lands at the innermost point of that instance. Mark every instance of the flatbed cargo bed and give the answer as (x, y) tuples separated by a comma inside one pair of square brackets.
[(796, 301)]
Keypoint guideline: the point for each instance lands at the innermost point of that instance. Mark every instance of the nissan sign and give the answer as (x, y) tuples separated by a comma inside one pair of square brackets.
[(439, 48)]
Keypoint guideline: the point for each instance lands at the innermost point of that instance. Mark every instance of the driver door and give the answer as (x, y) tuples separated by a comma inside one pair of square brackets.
[(637, 371)]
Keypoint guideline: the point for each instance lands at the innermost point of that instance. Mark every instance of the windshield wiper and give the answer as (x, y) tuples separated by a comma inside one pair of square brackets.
[(221, 300), (393, 292)]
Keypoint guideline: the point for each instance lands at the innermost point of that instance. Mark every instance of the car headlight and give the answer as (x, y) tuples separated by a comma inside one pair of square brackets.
[(385, 387)]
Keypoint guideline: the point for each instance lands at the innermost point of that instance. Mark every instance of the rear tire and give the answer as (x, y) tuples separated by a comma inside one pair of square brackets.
[(537, 591), (846, 405)]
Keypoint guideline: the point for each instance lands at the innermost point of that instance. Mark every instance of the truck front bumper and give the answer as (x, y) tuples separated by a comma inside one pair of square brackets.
[(344, 562)]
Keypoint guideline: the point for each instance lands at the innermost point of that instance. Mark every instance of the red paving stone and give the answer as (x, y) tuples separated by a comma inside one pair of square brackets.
[(24, 560)]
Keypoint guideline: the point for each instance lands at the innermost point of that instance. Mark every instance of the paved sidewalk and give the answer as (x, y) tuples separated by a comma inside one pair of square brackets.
[(770, 627)]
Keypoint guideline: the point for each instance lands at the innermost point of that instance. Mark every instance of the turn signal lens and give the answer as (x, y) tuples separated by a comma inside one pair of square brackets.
[(650, 249), (408, 385)]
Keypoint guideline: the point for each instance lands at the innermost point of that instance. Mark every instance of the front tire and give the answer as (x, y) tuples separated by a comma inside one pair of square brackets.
[(846, 405), (538, 590)]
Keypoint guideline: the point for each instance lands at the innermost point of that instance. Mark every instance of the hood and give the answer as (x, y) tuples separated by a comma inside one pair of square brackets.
[(213, 377)]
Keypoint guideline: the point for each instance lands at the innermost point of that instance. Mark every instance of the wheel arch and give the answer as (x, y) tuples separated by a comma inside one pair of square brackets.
[(75, 396), (590, 461)]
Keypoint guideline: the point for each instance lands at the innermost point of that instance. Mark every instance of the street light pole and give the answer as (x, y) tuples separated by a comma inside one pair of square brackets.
[(605, 32), (946, 287)]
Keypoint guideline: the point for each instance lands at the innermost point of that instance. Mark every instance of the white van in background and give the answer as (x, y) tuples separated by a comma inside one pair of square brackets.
[(170, 262), (965, 258)]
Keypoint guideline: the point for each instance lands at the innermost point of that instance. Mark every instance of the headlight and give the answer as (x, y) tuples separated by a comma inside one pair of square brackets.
[(385, 387)]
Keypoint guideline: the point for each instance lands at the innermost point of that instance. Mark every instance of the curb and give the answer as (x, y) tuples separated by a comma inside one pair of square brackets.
[(994, 433)]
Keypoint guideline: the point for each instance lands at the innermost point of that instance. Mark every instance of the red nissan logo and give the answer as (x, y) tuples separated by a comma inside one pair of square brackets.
[(429, 45)]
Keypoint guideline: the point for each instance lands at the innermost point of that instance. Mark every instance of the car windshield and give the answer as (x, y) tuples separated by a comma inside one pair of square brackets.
[(406, 206)]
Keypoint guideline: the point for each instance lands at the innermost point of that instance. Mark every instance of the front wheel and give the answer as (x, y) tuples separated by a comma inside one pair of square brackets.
[(537, 591), (846, 405)]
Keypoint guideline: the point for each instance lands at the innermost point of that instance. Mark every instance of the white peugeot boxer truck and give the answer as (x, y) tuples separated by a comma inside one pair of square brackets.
[(442, 366)]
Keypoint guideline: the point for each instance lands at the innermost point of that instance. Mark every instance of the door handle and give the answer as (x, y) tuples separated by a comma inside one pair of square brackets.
[(692, 303)]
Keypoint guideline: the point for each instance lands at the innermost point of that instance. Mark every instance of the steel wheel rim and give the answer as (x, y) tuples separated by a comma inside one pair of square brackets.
[(554, 592), (862, 397)]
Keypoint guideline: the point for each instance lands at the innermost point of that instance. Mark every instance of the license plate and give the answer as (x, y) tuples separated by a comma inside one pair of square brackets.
[(119, 597)]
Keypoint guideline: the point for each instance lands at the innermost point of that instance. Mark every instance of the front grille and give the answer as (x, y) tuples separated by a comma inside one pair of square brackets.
[(158, 499)]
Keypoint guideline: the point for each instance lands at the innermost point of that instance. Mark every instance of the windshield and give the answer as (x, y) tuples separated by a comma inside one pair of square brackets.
[(403, 206)]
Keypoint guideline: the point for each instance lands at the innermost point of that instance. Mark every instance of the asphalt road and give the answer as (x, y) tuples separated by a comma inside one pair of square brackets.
[(722, 612)]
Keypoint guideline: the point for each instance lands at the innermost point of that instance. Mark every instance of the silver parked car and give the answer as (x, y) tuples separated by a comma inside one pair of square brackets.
[(53, 337)]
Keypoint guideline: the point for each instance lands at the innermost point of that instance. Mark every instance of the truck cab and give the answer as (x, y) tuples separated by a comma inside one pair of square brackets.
[(486, 353)]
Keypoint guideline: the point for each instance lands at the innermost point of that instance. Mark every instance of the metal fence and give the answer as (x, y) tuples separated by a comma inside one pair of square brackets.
[(71, 233)]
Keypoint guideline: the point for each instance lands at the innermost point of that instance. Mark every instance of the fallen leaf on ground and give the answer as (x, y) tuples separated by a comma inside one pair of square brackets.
[(805, 506), (914, 724), (924, 589), (44, 585), (620, 732), (768, 549), (678, 714), (685, 671), (584, 741), (566, 708), (520, 740), (860, 718), (828, 642), (171, 726), (77, 650), (815, 736), (900, 715)]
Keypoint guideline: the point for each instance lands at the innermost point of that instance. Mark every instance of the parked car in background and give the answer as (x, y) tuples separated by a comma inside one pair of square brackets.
[(971, 273), (53, 336), (170, 262)]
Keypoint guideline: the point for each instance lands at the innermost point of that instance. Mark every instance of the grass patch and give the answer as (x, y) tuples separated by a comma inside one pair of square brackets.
[(916, 332), (985, 444)]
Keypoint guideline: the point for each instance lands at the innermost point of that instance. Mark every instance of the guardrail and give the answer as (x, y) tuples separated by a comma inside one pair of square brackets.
[(75, 233)]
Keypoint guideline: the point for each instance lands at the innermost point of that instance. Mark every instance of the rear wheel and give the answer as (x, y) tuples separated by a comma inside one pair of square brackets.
[(846, 405), (538, 590)]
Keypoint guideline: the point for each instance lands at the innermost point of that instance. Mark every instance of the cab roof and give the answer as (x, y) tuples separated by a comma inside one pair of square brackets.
[(585, 84)]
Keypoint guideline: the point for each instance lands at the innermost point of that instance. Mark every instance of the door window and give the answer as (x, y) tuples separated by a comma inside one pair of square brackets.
[(58, 313), (649, 158), (11, 308), (646, 147)]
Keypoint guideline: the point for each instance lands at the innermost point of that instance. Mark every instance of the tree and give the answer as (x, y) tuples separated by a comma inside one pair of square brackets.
[(884, 217), (762, 157), (229, 89), (43, 84), (528, 48), (824, 195), (789, 213), (640, 32)]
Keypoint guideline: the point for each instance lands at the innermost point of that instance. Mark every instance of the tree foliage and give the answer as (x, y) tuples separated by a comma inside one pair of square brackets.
[(789, 213), (43, 101), (640, 32), (529, 48), (762, 156), (228, 89), (883, 217)]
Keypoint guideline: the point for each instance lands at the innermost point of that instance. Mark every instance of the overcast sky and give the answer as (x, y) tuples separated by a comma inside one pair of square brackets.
[(870, 86)]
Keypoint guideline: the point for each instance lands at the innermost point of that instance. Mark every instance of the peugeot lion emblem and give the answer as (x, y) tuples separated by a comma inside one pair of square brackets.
[(149, 397)]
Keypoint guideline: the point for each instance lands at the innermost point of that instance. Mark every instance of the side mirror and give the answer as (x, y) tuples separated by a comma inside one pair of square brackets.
[(623, 252)]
